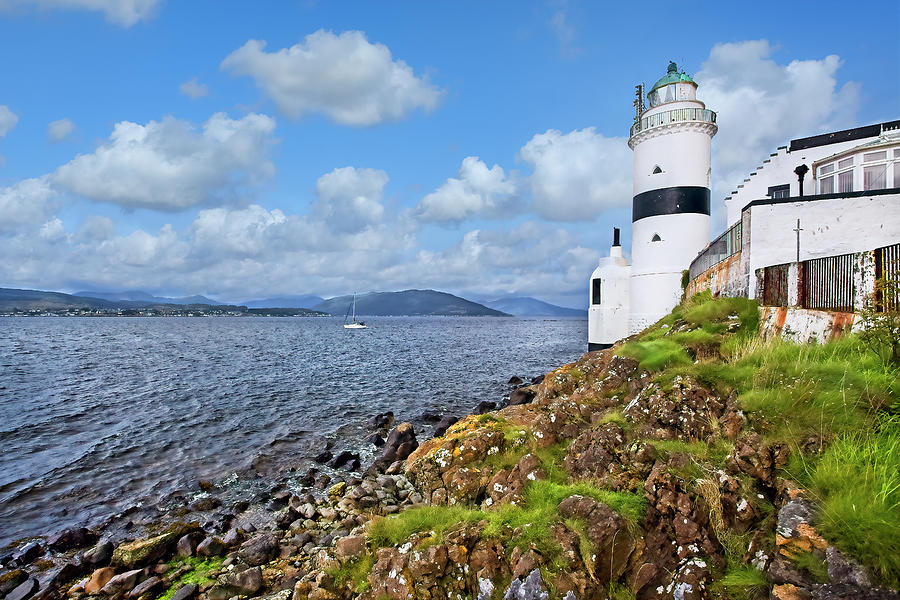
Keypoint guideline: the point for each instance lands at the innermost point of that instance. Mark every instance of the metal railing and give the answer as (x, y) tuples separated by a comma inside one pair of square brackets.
[(677, 115), (827, 283), (887, 277), (724, 246)]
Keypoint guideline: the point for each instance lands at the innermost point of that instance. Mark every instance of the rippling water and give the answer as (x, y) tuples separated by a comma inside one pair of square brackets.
[(100, 414)]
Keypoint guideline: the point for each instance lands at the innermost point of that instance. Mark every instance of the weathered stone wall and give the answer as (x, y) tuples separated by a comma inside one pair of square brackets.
[(723, 279), (802, 325)]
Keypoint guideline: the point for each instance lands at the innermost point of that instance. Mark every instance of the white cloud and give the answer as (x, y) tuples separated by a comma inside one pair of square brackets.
[(475, 190), (762, 104), (351, 80), (349, 199), (8, 120), (121, 12), (194, 89), (27, 202), (59, 130), (578, 175), (169, 165)]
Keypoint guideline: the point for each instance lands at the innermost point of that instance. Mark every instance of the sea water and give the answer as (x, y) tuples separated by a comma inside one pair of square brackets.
[(104, 415)]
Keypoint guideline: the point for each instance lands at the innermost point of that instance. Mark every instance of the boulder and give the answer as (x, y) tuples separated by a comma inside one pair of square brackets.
[(350, 547), (514, 380), (485, 406), (11, 580), (400, 444), (259, 549), (382, 421), (28, 553), (99, 555), (98, 579), (323, 457), (211, 546), (148, 586), (344, 459), (537, 380), (376, 440), (243, 583), (75, 537), (24, 590), (187, 544), (444, 424), (185, 592), (140, 553), (608, 532), (121, 583), (521, 396)]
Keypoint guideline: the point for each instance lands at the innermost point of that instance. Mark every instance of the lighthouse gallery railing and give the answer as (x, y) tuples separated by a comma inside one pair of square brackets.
[(677, 115)]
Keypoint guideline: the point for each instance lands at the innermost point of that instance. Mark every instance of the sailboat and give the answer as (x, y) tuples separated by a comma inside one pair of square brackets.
[(353, 324)]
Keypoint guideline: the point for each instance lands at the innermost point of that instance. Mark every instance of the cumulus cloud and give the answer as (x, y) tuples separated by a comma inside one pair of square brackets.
[(762, 104), (8, 120), (577, 175), (194, 89), (170, 165), (121, 12), (27, 202), (475, 190), (349, 199), (346, 77), (59, 130)]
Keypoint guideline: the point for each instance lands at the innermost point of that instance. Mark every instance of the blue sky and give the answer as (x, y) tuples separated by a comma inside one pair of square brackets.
[(241, 150)]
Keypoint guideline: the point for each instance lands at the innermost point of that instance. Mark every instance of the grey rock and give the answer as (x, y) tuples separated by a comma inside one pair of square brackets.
[(185, 592), (793, 514), (121, 583), (259, 549), (521, 396), (75, 537), (843, 569), (29, 553), (24, 590), (531, 589), (146, 587), (187, 544), (12, 580), (99, 555), (444, 424), (485, 406), (211, 546)]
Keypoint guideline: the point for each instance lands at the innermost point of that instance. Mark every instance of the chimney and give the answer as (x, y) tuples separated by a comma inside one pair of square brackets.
[(616, 236)]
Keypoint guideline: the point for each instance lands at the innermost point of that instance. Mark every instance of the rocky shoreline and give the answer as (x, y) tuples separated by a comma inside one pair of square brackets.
[(596, 481)]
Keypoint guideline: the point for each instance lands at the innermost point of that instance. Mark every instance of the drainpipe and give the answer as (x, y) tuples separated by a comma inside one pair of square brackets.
[(801, 172)]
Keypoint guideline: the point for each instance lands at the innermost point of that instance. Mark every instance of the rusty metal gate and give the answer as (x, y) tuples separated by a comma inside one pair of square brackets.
[(775, 285), (887, 270), (827, 283)]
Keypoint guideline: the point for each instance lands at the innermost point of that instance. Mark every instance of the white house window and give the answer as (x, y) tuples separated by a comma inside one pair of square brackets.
[(875, 156), (826, 185), (875, 177), (897, 168), (845, 181)]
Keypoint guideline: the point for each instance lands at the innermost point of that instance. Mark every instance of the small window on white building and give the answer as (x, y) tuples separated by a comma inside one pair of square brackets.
[(656, 238), (875, 177), (826, 185), (657, 170), (846, 163), (845, 181), (874, 156), (826, 169), (595, 291)]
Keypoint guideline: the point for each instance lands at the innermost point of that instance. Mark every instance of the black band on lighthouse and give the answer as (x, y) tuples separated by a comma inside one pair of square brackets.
[(671, 201)]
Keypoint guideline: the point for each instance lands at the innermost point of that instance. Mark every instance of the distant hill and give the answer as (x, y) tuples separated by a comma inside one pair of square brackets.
[(408, 303), (144, 297), (524, 306), (304, 301), (11, 299)]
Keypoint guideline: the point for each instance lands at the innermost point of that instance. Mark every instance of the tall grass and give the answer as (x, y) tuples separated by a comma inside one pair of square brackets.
[(857, 485)]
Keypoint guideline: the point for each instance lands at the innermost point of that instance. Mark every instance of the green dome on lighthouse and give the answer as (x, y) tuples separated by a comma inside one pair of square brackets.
[(672, 76)]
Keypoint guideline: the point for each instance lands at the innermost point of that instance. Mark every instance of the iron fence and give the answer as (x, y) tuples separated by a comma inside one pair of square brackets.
[(887, 277), (827, 283), (726, 245)]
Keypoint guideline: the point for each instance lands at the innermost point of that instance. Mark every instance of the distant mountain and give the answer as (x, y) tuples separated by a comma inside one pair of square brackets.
[(524, 306), (304, 301), (11, 299), (144, 297), (408, 303)]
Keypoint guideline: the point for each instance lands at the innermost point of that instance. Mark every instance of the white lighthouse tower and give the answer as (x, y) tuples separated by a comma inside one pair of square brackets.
[(670, 214)]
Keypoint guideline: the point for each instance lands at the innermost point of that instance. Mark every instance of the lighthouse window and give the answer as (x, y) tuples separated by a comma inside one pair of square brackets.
[(656, 170), (595, 291), (656, 238)]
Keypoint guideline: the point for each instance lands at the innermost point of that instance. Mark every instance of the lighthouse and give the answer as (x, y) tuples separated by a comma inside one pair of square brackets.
[(670, 212), (670, 209)]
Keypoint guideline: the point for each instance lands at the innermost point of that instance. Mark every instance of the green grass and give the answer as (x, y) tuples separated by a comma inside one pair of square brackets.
[(354, 574), (438, 520), (743, 583), (201, 568), (856, 483), (813, 565), (655, 355)]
